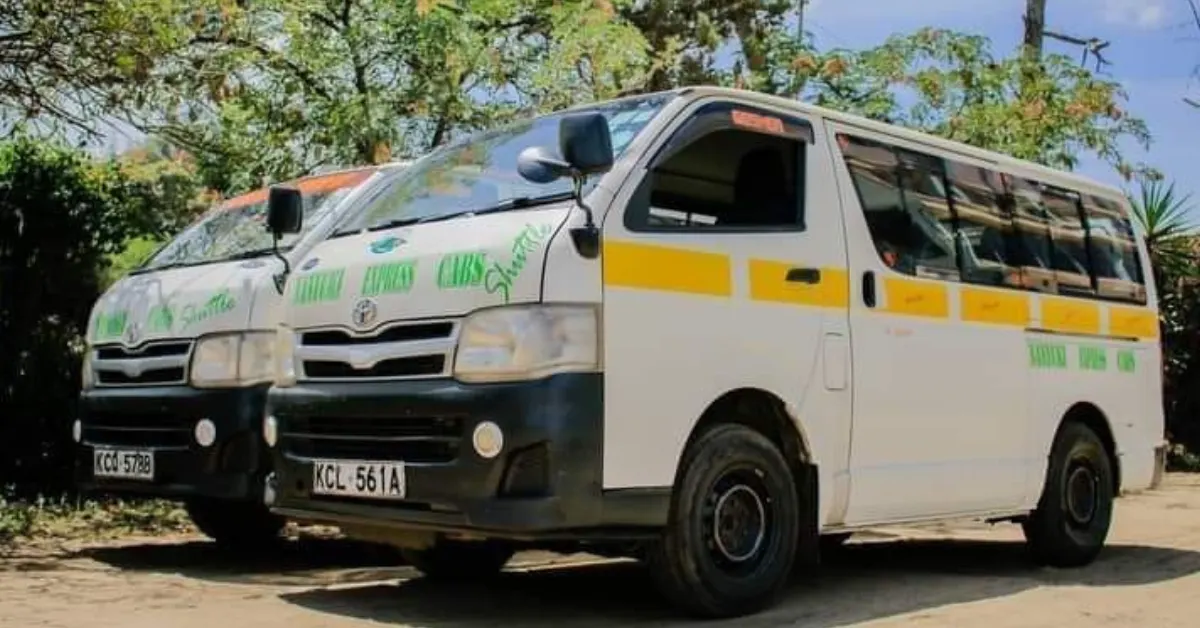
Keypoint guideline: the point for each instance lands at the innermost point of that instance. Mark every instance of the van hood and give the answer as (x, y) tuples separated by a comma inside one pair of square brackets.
[(178, 303), (440, 269)]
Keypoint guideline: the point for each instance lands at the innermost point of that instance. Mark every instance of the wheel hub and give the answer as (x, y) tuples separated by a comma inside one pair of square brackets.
[(1083, 494), (739, 523)]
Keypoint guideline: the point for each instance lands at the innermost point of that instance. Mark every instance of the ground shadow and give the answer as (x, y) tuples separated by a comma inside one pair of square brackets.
[(306, 561), (862, 582)]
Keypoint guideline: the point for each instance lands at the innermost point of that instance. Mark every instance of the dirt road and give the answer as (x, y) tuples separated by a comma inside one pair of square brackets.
[(947, 575)]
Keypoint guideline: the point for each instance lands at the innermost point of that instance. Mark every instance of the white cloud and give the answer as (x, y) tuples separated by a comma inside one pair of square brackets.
[(1145, 14)]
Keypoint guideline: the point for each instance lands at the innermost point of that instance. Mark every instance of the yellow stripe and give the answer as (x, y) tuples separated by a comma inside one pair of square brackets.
[(1070, 316), (1131, 322), (995, 307), (768, 282), (669, 269), (917, 298)]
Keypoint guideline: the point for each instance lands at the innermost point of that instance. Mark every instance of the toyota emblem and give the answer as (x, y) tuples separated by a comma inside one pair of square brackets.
[(133, 333), (364, 313)]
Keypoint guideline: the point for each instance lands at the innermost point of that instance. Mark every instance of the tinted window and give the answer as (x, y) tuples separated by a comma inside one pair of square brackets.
[(728, 167), (1069, 255), (1113, 248), (904, 202), (986, 236)]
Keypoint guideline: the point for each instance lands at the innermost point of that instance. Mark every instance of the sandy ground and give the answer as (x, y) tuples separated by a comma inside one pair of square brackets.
[(960, 574)]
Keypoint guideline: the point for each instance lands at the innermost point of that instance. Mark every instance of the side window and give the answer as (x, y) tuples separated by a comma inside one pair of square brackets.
[(987, 241), (1069, 257), (1112, 244), (904, 201), (729, 168), (1031, 250)]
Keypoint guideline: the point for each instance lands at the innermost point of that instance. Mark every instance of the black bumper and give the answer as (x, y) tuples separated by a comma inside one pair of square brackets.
[(163, 419), (547, 480)]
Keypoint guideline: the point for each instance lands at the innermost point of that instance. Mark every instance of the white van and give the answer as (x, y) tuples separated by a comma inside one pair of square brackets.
[(178, 360), (708, 328)]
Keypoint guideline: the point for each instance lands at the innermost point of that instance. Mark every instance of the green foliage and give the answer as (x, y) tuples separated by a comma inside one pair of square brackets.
[(276, 88), (951, 84), (62, 518), (61, 218)]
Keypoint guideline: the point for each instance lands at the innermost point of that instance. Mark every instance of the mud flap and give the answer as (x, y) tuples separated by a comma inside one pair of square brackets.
[(808, 549)]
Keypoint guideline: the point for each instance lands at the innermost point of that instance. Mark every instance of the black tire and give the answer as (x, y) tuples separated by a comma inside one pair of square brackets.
[(458, 560), (692, 565), (240, 526), (1073, 517)]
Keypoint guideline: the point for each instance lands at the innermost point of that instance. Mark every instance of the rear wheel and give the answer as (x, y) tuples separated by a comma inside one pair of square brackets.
[(458, 560), (235, 525), (1073, 517), (731, 541)]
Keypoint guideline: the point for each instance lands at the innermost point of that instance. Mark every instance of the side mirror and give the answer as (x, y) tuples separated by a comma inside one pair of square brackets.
[(285, 210), (585, 142)]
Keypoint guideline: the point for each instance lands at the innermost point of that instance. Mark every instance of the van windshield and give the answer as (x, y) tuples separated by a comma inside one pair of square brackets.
[(480, 172), (237, 228)]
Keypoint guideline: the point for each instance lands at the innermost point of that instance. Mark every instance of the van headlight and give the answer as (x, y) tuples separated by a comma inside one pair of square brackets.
[(285, 355), (227, 360), (527, 342)]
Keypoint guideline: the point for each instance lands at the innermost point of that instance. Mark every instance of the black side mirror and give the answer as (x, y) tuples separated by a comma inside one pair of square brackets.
[(586, 143), (285, 210)]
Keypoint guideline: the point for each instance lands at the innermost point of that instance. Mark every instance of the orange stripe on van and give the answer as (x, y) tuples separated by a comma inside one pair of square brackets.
[(768, 282), (668, 269), (1070, 316), (994, 307), (1129, 322)]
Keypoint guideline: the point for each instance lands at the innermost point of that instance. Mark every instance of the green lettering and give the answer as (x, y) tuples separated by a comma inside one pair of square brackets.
[(461, 270), (1126, 361), (319, 287), (389, 278), (1093, 358)]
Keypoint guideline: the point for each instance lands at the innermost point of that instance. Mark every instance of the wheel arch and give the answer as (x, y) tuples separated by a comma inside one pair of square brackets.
[(1091, 416)]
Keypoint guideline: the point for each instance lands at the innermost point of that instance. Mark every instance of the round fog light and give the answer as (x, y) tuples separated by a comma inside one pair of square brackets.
[(206, 433), (77, 431), (270, 431), (487, 439)]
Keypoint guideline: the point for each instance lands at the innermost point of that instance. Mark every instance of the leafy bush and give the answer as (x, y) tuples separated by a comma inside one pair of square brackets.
[(63, 518)]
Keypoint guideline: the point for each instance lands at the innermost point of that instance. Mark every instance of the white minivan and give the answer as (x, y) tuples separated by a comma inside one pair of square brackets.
[(715, 330), (178, 359)]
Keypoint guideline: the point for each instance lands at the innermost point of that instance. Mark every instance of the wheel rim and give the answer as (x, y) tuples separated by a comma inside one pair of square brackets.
[(738, 518), (1082, 494)]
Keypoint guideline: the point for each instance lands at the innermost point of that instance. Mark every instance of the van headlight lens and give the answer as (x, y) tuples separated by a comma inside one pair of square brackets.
[(527, 342), (226, 360), (285, 354)]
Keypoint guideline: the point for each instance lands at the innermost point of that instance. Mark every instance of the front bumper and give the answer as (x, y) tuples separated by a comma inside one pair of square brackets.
[(546, 480), (162, 419)]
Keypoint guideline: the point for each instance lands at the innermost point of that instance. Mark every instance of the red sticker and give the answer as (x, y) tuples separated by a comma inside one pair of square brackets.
[(757, 122)]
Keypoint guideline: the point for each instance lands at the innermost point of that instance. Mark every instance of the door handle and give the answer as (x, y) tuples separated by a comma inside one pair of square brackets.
[(868, 288), (804, 275)]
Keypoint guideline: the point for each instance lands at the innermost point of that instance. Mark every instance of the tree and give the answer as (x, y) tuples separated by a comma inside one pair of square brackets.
[(66, 64), (276, 88), (951, 84)]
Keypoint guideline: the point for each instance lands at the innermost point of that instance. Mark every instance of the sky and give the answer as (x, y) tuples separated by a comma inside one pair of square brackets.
[(1155, 46)]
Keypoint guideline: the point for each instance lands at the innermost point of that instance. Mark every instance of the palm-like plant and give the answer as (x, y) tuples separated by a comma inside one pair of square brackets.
[(1166, 222)]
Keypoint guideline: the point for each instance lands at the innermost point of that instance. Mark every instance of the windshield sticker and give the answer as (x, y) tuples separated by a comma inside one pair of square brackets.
[(319, 287), (500, 278), (219, 303), (111, 325), (461, 270), (389, 278), (386, 245)]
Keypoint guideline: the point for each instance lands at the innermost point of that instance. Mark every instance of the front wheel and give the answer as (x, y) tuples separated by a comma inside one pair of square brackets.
[(1073, 517), (235, 525), (731, 541), (458, 560)]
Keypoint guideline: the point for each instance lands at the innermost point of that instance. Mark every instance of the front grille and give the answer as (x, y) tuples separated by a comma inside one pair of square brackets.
[(153, 364), (170, 375), (429, 440), (137, 430), (398, 351)]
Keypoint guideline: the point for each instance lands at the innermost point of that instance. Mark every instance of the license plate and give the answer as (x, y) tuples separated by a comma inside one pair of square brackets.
[(126, 464), (372, 480)]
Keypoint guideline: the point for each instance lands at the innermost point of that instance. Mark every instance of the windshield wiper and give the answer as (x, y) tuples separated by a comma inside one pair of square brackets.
[(251, 254), (519, 202)]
